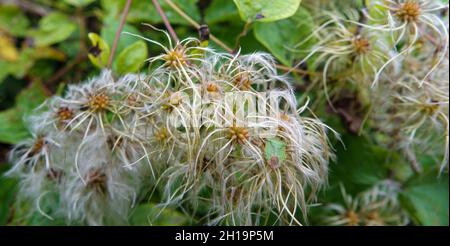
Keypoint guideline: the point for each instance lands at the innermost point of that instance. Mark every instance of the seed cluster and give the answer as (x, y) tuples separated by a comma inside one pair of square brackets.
[(176, 132), (409, 11)]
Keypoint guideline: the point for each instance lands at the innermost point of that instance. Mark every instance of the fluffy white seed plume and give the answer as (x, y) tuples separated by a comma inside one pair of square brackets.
[(377, 206), (200, 121)]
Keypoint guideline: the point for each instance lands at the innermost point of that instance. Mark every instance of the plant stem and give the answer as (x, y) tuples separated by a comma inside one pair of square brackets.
[(166, 21), (119, 30), (222, 44), (242, 34), (196, 25), (29, 6), (82, 25), (67, 68)]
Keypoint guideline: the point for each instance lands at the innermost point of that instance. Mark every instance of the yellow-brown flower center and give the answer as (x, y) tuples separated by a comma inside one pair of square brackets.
[(409, 11), (96, 180), (37, 146), (243, 82), (285, 117), (361, 45), (64, 114), (430, 108), (238, 134), (374, 216), (133, 100), (212, 87), (174, 100), (161, 135), (175, 58), (353, 218), (98, 102)]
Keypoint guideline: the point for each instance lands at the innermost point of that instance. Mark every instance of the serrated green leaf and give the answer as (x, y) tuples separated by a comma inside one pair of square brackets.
[(131, 58), (101, 55), (266, 10), (282, 36), (13, 20), (150, 214), (53, 28), (426, 199)]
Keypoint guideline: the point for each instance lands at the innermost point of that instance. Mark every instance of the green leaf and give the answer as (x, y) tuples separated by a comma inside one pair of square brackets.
[(426, 199), (21, 66), (359, 164), (8, 188), (53, 28), (150, 214), (131, 58), (221, 10), (144, 11), (108, 33), (28, 57), (275, 148), (79, 3), (101, 55), (266, 10), (4, 70), (31, 97), (13, 20), (281, 37), (12, 127), (8, 50)]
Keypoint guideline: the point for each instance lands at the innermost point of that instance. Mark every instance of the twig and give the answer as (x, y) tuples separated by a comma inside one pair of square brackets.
[(28, 6), (197, 26), (82, 24), (242, 34), (119, 30), (166, 21), (222, 44), (61, 72)]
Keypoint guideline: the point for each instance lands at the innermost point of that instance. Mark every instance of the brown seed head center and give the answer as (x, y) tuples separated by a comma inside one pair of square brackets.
[(353, 218), (37, 146), (409, 11), (175, 58), (212, 87), (238, 134), (161, 135), (98, 102), (243, 82), (96, 179), (373, 216), (361, 45), (64, 114), (430, 108)]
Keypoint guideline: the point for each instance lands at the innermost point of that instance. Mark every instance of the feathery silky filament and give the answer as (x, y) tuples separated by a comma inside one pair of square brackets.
[(377, 206), (204, 128), (393, 54)]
